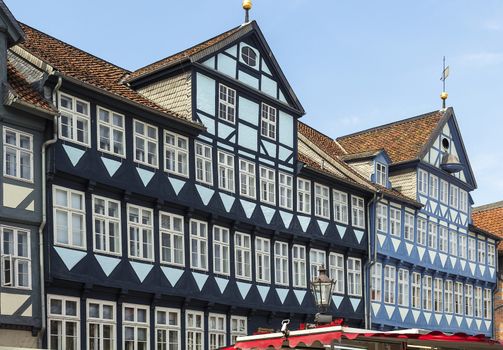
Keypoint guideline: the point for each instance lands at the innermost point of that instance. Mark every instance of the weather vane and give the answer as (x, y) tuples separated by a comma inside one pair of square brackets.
[(444, 94)]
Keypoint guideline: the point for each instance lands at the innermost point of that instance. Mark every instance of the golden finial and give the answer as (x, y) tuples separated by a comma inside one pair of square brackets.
[(247, 5), (444, 94)]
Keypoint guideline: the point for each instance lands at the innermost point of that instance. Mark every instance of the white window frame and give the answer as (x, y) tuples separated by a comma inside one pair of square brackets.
[(443, 239), (416, 300), (358, 211), (340, 200), (112, 127), (285, 184), (268, 119), (198, 244), (321, 201), (472, 248), (64, 318), (107, 220), (239, 327), (444, 191), (171, 234), (18, 150), (281, 263), (491, 254), (101, 322), (438, 295), (395, 221), (458, 298), (354, 276), (303, 196), (403, 288), (299, 266), (382, 217), (74, 117), (389, 284), (433, 186), (225, 171), (140, 230), (481, 252), (409, 226), (463, 201), (376, 282), (193, 330), (217, 331), (381, 174), (336, 271), (488, 302), (469, 300), (203, 162), (478, 301), (317, 259), (422, 181), (453, 243), (243, 255), (147, 141), (422, 237), (70, 212), (227, 103), (454, 196), (13, 259), (263, 259), (427, 292), (221, 244), (432, 235), (247, 179), (166, 330), (179, 155), (135, 324), (267, 185), (463, 246), (449, 296)]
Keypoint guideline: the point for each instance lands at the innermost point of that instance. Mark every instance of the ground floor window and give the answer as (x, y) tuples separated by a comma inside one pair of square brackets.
[(194, 324), (167, 329), (135, 325), (63, 322)]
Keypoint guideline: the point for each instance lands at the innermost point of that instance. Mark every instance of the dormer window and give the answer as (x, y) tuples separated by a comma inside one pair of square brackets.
[(249, 56), (381, 174)]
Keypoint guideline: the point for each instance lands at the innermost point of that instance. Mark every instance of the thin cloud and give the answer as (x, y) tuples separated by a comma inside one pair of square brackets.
[(493, 25), (482, 58)]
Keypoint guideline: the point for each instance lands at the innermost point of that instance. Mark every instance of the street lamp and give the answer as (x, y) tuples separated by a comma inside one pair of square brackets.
[(322, 288)]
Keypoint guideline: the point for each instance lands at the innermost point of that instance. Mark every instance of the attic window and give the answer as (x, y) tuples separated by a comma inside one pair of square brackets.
[(445, 143), (381, 174), (249, 56)]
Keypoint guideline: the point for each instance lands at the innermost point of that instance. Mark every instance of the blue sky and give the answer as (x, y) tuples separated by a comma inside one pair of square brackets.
[(353, 64)]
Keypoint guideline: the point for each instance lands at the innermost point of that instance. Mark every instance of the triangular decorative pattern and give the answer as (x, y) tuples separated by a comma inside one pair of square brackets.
[(142, 270), (355, 302), (342, 230), (107, 263), (111, 165), (263, 291), (282, 293), (268, 213), (74, 154), (244, 288), (323, 226), (248, 207), (173, 275), (337, 299), (359, 235), (227, 200), (222, 283), (299, 294), (145, 175), (205, 193), (304, 222), (70, 257), (286, 217), (176, 184), (200, 279)]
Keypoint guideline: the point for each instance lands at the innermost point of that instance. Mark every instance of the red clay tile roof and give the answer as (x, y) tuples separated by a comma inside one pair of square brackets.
[(489, 218), (326, 143), (402, 140)]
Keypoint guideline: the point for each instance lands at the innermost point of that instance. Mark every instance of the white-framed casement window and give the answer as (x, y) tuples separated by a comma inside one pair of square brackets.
[(443, 239), (242, 251), (463, 201), (281, 263), (408, 227), (432, 235), (263, 259), (111, 132), (458, 298), (454, 194), (194, 333), (317, 259), (471, 249), (299, 266), (204, 163), (336, 271), (462, 246), (354, 271), (101, 323), (267, 185), (358, 212), (395, 221), (135, 326), (247, 179), (198, 245), (145, 144), (382, 217), (376, 282), (438, 298), (321, 201), (167, 329), (403, 287), (176, 154), (63, 322), (488, 304), (491, 254), (381, 174), (17, 154), (141, 232), (107, 225), (75, 119), (433, 186), (421, 231), (453, 243), (226, 103), (444, 191), (268, 121), (468, 300), (171, 233), (389, 284), (239, 327), (285, 190), (427, 292), (478, 302), (217, 331), (304, 196), (225, 171), (416, 290), (340, 206), (448, 295), (69, 217), (16, 257), (422, 184), (481, 252), (221, 250)]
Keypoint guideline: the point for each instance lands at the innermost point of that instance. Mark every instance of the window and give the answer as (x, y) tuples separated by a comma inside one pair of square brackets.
[(304, 196), (176, 154), (111, 137), (299, 266), (448, 296), (478, 302), (340, 206), (263, 259), (481, 252), (358, 217), (221, 250), (198, 245), (204, 163), (403, 287), (247, 178), (423, 181), (354, 277), (145, 144), (421, 231), (427, 292), (317, 259), (432, 235), (488, 308), (438, 299), (336, 271), (395, 219), (463, 201), (491, 254), (453, 248), (409, 227), (69, 217), (194, 323), (433, 186), (268, 121), (375, 282), (107, 225), (18, 154), (281, 262), (462, 246), (101, 324), (471, 249), (444, 191), (135, 325), (443, 234), (141, 237), (416, 290), (239, 327), (74, 120), (227, 103), (225, 171), (216, 331), (468, 300), (16, 258), (242, 246), (63, 321), (458, 298), (167, 329), (321, 200), (267, 185), (454, 196), (382, 217), (285, 191), (389, 284), (381, 177), (249, 56), (171, 238)]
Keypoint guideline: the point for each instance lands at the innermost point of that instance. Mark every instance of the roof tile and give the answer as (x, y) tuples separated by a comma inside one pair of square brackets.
[(489, 218)]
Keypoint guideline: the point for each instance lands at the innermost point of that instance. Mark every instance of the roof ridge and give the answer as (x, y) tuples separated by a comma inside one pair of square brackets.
[(489, 206)]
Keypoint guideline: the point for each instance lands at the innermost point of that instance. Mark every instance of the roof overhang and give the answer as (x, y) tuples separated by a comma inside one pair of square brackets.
[(10, 26)]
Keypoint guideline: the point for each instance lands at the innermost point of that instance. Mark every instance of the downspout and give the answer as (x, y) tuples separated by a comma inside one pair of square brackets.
[(44, 216)]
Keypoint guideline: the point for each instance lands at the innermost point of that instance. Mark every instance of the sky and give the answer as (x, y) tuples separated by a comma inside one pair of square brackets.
[(353, 64)]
